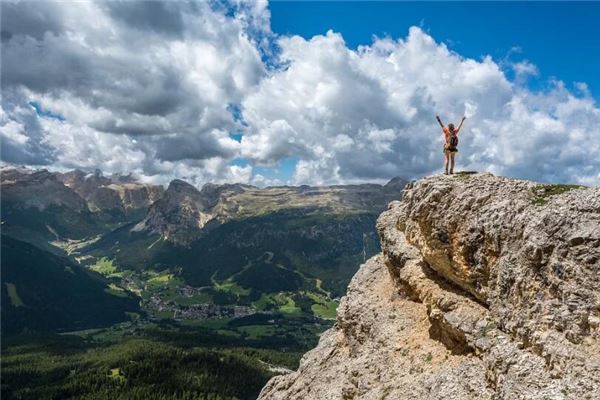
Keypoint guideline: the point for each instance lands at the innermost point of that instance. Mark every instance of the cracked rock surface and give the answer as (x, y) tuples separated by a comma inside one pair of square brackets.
[(486, 288)]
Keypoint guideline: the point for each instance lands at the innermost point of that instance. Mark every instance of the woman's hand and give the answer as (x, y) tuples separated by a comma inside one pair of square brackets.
[(461, 124), (439, 120)]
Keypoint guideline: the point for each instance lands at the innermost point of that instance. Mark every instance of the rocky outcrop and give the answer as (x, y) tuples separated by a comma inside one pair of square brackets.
[(77, 190), (179, 215), (38, 208), (121, 193), (23, 188), (486, 288)]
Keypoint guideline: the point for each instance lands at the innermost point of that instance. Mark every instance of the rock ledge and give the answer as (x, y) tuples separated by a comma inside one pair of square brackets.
[(486, 288)]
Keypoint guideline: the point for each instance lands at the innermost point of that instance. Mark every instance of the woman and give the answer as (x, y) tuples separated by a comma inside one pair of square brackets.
[(451, 142)]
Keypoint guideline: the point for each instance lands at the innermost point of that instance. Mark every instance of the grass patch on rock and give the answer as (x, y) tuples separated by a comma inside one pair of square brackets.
[(542, 193), (463, 175)]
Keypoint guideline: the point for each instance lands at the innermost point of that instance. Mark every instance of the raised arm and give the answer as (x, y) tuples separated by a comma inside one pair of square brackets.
[(439, 121), (461, 123)]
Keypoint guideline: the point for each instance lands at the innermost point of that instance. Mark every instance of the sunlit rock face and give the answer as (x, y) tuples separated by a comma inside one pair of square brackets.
[(116, 192), (23, 188), (39, 206), (179, 215), (486, 288)]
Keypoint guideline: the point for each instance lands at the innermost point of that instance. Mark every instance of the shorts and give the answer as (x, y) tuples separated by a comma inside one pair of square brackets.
[(448, 151)]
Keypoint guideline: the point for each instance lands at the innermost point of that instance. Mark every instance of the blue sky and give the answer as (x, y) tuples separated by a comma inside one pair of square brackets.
[(561, 38), (555, 36)]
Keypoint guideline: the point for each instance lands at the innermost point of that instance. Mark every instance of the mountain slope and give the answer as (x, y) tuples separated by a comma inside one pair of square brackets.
[(217, 235), (45, 292), (179, 216), (36, 207), (278, 249), (184, 214), (41, 207), (114, 198), (486, 288)]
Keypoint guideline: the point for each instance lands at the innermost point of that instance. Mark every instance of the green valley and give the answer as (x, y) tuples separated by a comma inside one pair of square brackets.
[(45, 292), (200, 294)]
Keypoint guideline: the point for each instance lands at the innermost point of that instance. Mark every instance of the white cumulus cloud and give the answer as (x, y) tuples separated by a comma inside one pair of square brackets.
[(128, 86), (369, 114)]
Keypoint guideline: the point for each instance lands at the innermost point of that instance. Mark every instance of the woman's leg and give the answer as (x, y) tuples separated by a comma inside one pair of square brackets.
[(446, 160), (452, 155)]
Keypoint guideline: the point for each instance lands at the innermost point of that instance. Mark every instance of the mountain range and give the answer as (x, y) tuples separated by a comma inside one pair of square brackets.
[(275, 249), (115, 288)]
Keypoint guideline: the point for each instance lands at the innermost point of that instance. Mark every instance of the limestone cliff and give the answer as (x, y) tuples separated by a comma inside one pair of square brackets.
[(486, 288), (41, 189), (120, 193)]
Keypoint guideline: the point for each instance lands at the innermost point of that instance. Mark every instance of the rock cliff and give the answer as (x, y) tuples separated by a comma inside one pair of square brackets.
[(37, 189), (179, 214), (486, 288), (121, 193), (76, 190)]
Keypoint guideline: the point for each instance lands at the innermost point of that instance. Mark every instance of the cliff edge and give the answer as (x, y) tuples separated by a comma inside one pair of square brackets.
[(486, 288)]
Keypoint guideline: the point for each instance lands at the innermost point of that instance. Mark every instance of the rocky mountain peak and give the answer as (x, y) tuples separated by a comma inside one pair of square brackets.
[(486, 288), (180, 193), (180, 215), (213, 193), (178, 186), (23, 188), (123, 178), (76, 175), (231, 187), (109, 193), (11, 174), (396, 183)]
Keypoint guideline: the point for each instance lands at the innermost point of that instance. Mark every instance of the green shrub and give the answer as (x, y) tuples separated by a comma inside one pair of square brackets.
[(542, 193)]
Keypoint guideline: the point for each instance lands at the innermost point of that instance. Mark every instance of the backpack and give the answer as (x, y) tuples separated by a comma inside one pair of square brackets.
[(453, 141)]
